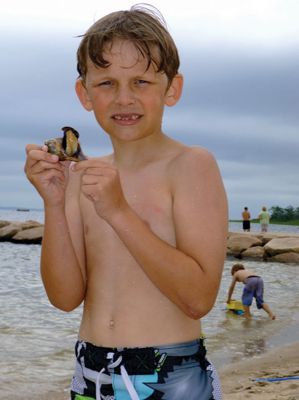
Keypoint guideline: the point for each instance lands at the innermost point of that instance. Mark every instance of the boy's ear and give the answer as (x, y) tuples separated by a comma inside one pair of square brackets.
[(83, 95), (174, 91)]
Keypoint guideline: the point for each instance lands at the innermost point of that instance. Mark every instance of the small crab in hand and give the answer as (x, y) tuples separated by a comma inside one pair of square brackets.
[(67, 148)]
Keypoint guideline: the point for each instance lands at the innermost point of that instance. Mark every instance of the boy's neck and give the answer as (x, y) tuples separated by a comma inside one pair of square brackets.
[(138, 153)]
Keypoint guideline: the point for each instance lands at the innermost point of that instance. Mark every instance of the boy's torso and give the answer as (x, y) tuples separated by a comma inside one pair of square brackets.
[(243, 274), (122, 306)]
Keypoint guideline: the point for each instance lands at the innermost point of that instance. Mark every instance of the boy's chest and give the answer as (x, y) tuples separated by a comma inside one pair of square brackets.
[(150, 197)]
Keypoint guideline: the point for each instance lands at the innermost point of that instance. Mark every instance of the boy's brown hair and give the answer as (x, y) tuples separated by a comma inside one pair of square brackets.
[(237, 267), (142, 26)]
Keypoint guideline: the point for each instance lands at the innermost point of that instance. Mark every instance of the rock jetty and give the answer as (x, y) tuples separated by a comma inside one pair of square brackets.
[(28, 232), (274, 247)]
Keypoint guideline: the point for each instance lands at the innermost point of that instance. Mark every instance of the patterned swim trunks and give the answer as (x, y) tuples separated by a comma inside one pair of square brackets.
[(174, 372)]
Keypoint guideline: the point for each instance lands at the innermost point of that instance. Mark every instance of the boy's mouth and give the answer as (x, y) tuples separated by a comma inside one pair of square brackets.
[(126, 117)]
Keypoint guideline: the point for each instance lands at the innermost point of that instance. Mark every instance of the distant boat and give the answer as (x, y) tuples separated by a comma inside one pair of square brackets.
[(23, 209)]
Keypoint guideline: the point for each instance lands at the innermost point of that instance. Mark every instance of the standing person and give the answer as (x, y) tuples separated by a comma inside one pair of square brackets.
[(253, 288), (138, 236), (246, 219), (264, 218)]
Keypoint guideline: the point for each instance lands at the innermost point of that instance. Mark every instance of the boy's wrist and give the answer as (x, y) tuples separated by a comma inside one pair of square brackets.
[(119, 216), (54, 209)]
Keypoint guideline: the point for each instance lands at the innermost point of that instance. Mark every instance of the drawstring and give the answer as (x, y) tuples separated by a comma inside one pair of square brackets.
[(98, 384), (129, 385), (99, 378)]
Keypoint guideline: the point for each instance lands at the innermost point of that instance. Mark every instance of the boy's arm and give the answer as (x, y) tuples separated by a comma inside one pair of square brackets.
[(62, 267), (231, 290), (190, 273), (63, 254), (62, 274)]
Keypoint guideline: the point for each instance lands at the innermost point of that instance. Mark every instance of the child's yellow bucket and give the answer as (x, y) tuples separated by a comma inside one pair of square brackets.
[(236, 306)]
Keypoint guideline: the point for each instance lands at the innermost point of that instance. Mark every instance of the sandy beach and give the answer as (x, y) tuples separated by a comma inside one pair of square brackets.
[(238, 379)]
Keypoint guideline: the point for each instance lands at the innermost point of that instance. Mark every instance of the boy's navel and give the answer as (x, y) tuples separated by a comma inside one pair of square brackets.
[(111, 324)]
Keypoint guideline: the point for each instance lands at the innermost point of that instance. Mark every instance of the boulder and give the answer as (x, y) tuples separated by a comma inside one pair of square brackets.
[(282, 245), (4, 223), (256, 252), (8, 231), (287, 258), (30, 224), (29, 236), (239, 243)]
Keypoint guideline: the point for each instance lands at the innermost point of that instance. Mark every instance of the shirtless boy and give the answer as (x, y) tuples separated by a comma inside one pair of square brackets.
[(138, 236), (253, 288)]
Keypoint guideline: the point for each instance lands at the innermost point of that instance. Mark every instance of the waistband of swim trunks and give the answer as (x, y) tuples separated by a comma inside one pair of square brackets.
[(182, 349), (141, 360), (176, 349)]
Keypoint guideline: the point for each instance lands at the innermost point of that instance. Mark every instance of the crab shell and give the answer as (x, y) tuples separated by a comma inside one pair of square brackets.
[(68, 147)]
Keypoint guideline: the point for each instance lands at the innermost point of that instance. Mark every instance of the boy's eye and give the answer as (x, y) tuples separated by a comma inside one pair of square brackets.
[(141, 82), (105, 83)]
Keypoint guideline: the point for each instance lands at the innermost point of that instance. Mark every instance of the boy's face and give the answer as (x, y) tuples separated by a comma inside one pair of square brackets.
[(127, 98)]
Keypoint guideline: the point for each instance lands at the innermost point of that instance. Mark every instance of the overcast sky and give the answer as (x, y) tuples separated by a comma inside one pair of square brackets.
[(240, 60)]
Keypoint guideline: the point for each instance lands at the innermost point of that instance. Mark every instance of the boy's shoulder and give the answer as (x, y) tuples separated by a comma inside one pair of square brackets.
[(242, 274), (192, 156)]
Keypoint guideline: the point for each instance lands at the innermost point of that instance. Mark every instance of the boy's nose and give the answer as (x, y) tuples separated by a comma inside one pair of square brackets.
[(125, 96)]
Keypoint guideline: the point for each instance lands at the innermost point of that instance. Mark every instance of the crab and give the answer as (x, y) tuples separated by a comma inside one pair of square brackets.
[(68, 147)]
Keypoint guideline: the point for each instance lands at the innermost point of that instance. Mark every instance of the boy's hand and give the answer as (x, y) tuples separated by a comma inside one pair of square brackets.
[(46, 174), (100, 183)]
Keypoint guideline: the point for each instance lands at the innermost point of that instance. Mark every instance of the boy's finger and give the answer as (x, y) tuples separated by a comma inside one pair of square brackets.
[(37, 154), (30, 147), (90, 163)]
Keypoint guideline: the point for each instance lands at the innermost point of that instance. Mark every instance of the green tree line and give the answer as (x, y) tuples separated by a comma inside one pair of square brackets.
[(289, 213)]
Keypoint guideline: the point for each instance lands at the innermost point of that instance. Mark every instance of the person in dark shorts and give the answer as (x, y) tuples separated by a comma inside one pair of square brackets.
[(246, 220), (253, 288)]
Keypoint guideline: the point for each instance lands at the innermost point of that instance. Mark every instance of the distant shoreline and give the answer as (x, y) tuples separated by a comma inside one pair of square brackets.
[(254, 221), (272, 222)]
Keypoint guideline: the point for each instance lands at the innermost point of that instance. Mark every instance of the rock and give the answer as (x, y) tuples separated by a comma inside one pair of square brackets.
[(256, 252), (30, 224), (282, 245), (288, 258), (239, 243), (267, 237), (8, 231), (4, 223), (229, 252), (29, 236)]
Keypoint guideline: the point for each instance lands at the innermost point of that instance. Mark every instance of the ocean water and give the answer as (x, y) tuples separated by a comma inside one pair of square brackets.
[(37, 340)]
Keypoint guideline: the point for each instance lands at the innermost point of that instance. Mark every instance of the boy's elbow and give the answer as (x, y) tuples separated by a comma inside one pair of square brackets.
[(198, 310), (62, 305)]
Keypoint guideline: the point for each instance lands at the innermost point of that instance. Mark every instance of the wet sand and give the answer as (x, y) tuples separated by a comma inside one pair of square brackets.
[(238, 380)]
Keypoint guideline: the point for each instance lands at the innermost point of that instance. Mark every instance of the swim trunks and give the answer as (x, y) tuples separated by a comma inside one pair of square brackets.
[(246, 225), (173, 372), (254, 288)]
